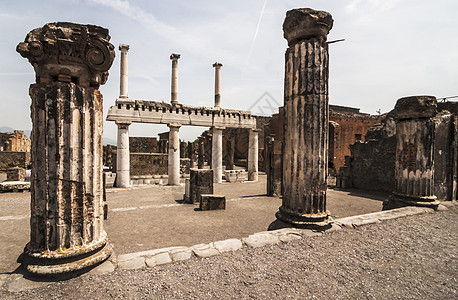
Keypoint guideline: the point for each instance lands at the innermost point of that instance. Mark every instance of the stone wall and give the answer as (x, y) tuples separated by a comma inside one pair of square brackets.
[(14, 159), (351, 126), (143, 145), (14, 141), (148, 164)]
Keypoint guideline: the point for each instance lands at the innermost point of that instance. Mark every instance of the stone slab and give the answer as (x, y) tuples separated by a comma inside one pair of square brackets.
[(158, 259), (261, 239), (132, 264), (204, 250), (12, 186), (179, 255), (228, 245)]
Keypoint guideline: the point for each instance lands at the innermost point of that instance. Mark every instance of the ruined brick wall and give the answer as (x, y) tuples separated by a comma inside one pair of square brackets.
[(143, 145), (148, 164), (352, 127), (14, 141), (14, 159)]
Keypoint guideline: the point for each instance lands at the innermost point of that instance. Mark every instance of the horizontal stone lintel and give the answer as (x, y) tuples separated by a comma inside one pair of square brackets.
[(140, 111)]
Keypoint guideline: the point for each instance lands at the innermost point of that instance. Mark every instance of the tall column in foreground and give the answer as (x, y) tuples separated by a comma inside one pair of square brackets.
[(71, 61), (253, 149), (123, 155), (174, 155), (174, 95), (414, 166), (217, 67), (217, 154), (306, 119)]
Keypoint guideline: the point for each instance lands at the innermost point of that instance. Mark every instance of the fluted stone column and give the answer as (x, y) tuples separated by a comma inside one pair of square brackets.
[(253, 149), (306, 119), (414, 165), (174, 96), (123, 86), (123, 155), (217, 67), (71, 61), (174, 155), (217, 154)]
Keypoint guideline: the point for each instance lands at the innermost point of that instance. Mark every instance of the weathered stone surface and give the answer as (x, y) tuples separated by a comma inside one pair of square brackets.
[(14, 186), (181, 254), (158, 259), (306, 23), (15, 174), (416, 107), (305, 159), (201, 182), (70, 62), (69, 52), (261, 239), (132, 264), (228, 245), (205, 250), (212, 202), (236, 175), (14, 159)]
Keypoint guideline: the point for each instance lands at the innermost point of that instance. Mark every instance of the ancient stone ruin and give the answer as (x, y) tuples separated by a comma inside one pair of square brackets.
[(70, 61), (306, 120)]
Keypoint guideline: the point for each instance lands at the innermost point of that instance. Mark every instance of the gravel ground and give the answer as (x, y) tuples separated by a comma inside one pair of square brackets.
[(408, 258)]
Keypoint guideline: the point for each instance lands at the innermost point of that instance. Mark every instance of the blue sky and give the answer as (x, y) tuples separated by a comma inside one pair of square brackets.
[(392, 49)]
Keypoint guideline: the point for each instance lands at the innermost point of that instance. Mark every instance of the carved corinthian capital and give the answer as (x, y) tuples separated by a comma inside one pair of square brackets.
[(306, 23), (69, 52)]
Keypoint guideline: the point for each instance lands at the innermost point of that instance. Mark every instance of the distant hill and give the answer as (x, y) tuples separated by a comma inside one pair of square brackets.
[(106, 140)]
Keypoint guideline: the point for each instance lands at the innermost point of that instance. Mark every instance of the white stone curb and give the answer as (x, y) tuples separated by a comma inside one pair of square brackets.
[(152, 258)]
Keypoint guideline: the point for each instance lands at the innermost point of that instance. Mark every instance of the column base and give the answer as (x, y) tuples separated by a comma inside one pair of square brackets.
[(399, 200), (60, 262), (318, 221)]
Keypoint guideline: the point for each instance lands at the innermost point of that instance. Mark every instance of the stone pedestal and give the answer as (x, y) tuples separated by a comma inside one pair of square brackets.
[(201, 182), (306, 120), (217, 154), (253, 155), (15, 174), (414, 166), (66, 223), (123, 156), (174, 155)]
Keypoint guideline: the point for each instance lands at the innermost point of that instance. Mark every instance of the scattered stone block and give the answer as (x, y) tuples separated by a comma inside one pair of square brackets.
[(212, 202), (201, 182)]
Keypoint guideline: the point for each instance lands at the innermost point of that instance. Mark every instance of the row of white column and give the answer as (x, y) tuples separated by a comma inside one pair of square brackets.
[(122, 160)]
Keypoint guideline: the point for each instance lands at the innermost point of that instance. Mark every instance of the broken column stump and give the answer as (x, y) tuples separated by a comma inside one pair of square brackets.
[(212, 202), (71, 61), (306, 120), (201, 182), (414, 165)]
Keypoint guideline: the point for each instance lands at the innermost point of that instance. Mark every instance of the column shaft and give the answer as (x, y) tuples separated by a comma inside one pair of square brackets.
[(201, 154), (217, 155), (306, 119), (174, 87), (217, 67), (174, 155), (253, 155), (66, 218), (123, 156), (123, 93)]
